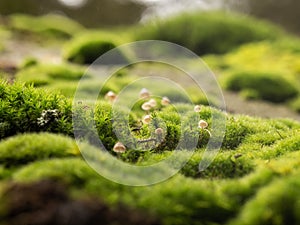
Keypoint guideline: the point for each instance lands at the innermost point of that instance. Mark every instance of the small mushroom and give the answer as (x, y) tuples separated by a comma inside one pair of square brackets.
[(110, 96), (165, 101), (202, 124), (146, 106), (152, 102), (197, 108), (147, 119), (144, 93), (119, 148), (159, 134)]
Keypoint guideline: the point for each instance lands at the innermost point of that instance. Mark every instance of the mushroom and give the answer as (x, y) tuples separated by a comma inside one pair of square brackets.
[(203, 125), (147, 119), (159, 133), (144, 93), (197, 108), (165, 101), (152, 102), (119, 148), (110, 96), (146, 106)]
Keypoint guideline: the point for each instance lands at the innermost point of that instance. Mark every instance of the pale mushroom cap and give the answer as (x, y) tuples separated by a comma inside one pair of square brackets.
[(147, 119), (159, 131), (119, 148), (152, 102), (144, 93), (111, 96), (165, 101), (197, 108), (203, 124), (146, 106)]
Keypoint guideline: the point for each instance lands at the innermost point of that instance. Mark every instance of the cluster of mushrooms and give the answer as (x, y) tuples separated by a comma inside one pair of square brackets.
[(147, 106)]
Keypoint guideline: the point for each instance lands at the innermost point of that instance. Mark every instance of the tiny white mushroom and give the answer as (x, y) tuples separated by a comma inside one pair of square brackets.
[(147, 119), (197, 108), (146, 106), (165, 101), (159, 131), (119, 148), (152, 102), (144, 93), (159, 134), (202, 124), (110, 96)]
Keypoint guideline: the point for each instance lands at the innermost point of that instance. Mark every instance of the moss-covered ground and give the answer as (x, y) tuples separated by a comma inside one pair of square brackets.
[(254, 179)]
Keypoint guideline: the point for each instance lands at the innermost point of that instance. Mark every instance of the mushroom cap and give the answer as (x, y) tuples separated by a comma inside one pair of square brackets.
[(111, 96), (165, 101), (144, 93), (159, 131), (146, 106), (152, 102), (147, 119), (119, 148), (202, 124), (197, 108)]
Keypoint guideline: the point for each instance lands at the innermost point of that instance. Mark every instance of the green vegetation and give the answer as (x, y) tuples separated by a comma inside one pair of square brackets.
[(268, 71), (52, 25), (205, 33), (48, 74), (255, 155), (25, 109), (254, 178), (87, 47), (267, 86), (23, 149)]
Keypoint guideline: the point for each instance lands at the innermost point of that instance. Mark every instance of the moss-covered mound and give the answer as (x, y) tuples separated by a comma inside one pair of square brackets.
[(255, 171), (266, 86), (26, 109), (264, 70), (87, 47), (48, 74), (52, 25), (206, 33)]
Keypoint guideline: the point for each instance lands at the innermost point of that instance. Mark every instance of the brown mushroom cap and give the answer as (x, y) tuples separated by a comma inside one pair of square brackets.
[(202, 124), (119, 148), (159, 131)]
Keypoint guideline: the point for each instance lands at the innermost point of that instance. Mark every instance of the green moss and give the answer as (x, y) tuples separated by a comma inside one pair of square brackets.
[(25, 109), (267, 86), (22, 149), (88, 47), (277, 203), (50, 25), (73, 171), (45, 74), (213, 32)]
